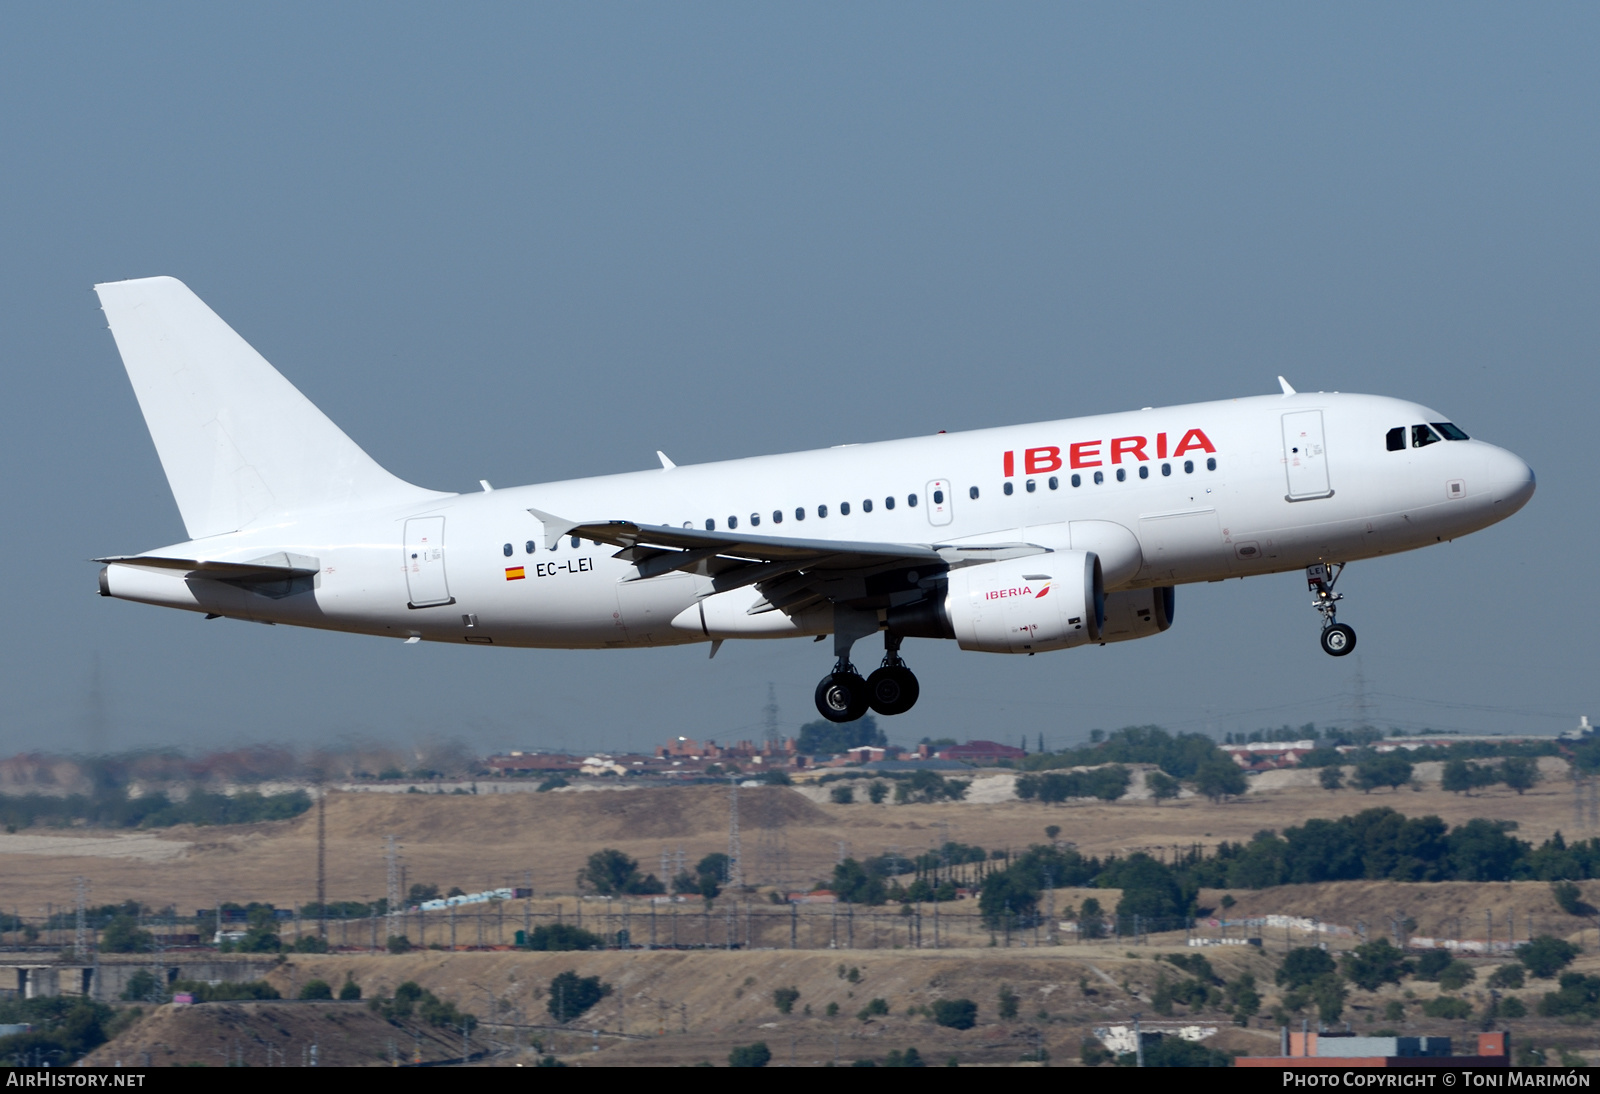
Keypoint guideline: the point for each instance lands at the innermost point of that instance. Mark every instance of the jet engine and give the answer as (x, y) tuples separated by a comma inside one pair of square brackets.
[(1021, 605), (1137, 613)]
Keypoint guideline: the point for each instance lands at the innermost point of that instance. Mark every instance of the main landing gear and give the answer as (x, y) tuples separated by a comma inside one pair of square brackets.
[(843, 696), (1337, 638)]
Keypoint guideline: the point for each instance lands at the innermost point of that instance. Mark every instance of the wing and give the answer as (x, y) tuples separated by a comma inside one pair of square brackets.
[(791, 573)]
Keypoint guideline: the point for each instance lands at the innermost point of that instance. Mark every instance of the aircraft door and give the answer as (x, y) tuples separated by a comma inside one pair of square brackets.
[(1304, 457), (424, 558), (939, 503)]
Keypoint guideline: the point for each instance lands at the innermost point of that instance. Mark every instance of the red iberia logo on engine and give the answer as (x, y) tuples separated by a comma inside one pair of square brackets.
[(515, 573), (1020, 590)]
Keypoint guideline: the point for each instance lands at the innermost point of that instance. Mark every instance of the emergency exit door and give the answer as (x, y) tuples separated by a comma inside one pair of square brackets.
[(938, 502), (1304, 457), (425, 580)]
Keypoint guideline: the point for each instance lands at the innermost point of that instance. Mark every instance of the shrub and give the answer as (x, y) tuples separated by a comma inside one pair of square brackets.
[(1008, 1002), (784, 999), (909, 1058), (310, 943), (1546, 955), (1513, 1008), (316, 989), (956, 1013), (399, 943), (1372, 964), (1303, 965), (563, 936), (1394, 1011), (122, 935), (570, 995), (874, 1009), (1457, 975), (1432, 963), (350, 991), (226, 991), (843, 795), (1446, 1006), (1579, 995), (1506, 976), (1093, 1053), (756, 1055)]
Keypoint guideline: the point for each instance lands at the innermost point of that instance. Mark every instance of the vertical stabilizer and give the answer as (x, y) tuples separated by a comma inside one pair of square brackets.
[(238, 442)]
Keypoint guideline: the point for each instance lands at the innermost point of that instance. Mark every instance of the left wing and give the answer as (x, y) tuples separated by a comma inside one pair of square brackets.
[(792, 573)]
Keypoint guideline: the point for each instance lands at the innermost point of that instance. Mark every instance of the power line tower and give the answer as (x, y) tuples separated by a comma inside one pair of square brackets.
[(322, 861), (735, 867), (80, 938), (771, 712), (1363, 708), (391, 855)]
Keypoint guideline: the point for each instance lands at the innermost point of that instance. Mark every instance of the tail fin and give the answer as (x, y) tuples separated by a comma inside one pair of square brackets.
[(238, 442)]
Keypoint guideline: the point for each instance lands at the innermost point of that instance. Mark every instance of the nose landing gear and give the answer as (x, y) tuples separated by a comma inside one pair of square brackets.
[(843, 696), (1337, 638)]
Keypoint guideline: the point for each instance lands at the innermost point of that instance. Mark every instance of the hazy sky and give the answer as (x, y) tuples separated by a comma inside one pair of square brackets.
[(526, 243)]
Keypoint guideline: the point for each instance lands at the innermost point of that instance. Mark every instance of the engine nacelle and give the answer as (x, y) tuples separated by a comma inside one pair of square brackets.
[(1137, 613), (1027, 605)]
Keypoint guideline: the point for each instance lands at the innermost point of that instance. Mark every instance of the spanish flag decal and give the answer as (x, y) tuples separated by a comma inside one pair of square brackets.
[(515, 573)]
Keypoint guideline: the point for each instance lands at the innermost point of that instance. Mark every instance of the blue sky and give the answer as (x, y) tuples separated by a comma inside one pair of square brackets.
[(531, 242)]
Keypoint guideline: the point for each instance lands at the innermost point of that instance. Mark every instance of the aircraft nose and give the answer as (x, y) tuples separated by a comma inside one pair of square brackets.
[(1513, 482)]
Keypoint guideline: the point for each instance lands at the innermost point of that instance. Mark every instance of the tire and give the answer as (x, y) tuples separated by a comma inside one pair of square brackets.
[(842, 697), (1338, 640), (892, 690)]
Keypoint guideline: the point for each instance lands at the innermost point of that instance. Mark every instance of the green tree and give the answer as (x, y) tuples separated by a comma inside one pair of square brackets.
[(1546, 955), (399, 943), (1331, 777), (350, 991), (612, 873), (316, 989), (1219, 778), (755, 1055), (877, 790), (1506, 976), (1381, 769), (1372, 964), (1456, 975), (563, 936), (956, 1013), (1161, 785), (832, 737), (122, 935), (909, 1058), (1301, 966), (571, 995), (842, 795), (1328, 992), (855, 884), (784, 999), (1150, 890), (1520, 773), (1008, 1002)]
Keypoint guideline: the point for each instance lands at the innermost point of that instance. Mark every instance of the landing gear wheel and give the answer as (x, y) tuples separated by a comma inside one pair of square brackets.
[(892, 690), (1338, 639), (842, 696)]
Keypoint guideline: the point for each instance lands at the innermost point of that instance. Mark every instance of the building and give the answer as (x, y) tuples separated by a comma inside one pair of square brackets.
[(981, 752), (1351, 1050)]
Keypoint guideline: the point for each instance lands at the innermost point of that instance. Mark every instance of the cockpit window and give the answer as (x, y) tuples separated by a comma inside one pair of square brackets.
[(1396, 439), (1422, 436), (1451, 431)]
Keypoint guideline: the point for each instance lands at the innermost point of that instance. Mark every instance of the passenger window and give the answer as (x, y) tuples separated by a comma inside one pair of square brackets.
[(711, 525), (1188, 467), (1099, 477), (822, 510), (1422, 436), (800, 514), (844, 509), (1451, 431), (755, 520), (1055, 483), (1077, 481), (973, 493), (1211, 463), (1007, 489), (576, 541), (1122, 474), (888, 503), (866, 505), (1166, 469), (1395, 439), (777, 516), (1144, 472), (506, 550), (911, 500), (733, 522), (1032, 486), (528, 548)]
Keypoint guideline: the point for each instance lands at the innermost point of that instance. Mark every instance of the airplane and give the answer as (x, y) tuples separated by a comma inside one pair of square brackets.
[(1017, 540)]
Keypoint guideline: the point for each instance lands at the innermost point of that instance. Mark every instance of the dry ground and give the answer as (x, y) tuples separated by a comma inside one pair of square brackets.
[(476, 841)]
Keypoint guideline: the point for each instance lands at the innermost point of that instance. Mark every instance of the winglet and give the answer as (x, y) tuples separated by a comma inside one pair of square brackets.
[(554, 527), (666, 464), (1287, 390)]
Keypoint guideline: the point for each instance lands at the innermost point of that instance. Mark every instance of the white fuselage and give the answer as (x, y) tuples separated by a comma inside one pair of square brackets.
[(1275, 497)]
